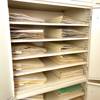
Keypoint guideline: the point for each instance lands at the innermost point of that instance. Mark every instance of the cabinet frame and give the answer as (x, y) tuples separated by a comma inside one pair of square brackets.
[(86, 39)]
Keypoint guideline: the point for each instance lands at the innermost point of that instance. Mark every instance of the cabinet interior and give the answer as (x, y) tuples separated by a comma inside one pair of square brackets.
[(46, 11)]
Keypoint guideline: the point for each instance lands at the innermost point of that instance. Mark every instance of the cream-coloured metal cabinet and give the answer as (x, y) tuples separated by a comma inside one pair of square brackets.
[(46, 10)]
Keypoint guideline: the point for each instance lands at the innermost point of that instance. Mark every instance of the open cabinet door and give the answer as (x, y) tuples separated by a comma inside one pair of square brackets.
[(94, 63), (93, 92), (97, 1), (6, 73)]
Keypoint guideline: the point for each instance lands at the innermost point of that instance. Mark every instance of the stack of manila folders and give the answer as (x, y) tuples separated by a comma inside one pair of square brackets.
[(63, 33), (36, 97), (66, 59), (30, 80), (26, 49), (27, 34), (62, 46), (20, 17), (69, 72), (26, 64)]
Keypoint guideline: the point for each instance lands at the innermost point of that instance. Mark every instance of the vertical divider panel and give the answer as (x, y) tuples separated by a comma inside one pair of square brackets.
[(87, 43)]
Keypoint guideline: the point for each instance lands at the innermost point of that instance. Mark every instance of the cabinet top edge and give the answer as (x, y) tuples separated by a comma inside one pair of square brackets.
[(35, 4)]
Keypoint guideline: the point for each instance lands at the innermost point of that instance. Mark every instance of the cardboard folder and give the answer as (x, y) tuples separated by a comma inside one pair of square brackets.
[(20, 17), (23, 49), (68, 91), (36, 97), (65, 19), (63, 33), (27, 34), (66, 59), (62, 46), (78, 98), (68, 72), (30, 79), (28, 64), (25, 85)]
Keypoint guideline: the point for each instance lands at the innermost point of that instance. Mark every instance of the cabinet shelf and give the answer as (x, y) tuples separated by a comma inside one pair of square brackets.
[(49, 5), (52, 96), (49, 53), (50, 65), (52, 84), (44, 40), (46, 24)]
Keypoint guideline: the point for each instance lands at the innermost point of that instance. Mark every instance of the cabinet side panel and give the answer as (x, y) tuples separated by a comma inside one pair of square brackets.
[(6, 73)]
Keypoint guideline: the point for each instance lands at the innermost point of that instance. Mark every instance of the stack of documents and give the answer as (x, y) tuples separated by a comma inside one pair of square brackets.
[(29, 80), (20, 17), (28, 64), (27, 34), (36, 97), (68, 91), (17, 28), (78, 98), (66, 59), (26, 49), (68, 72), (65, 19), (63, 33), (62, 46)]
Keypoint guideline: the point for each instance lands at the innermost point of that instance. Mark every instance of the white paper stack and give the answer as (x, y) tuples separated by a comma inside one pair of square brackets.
[(27, 34), (20, 17)]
